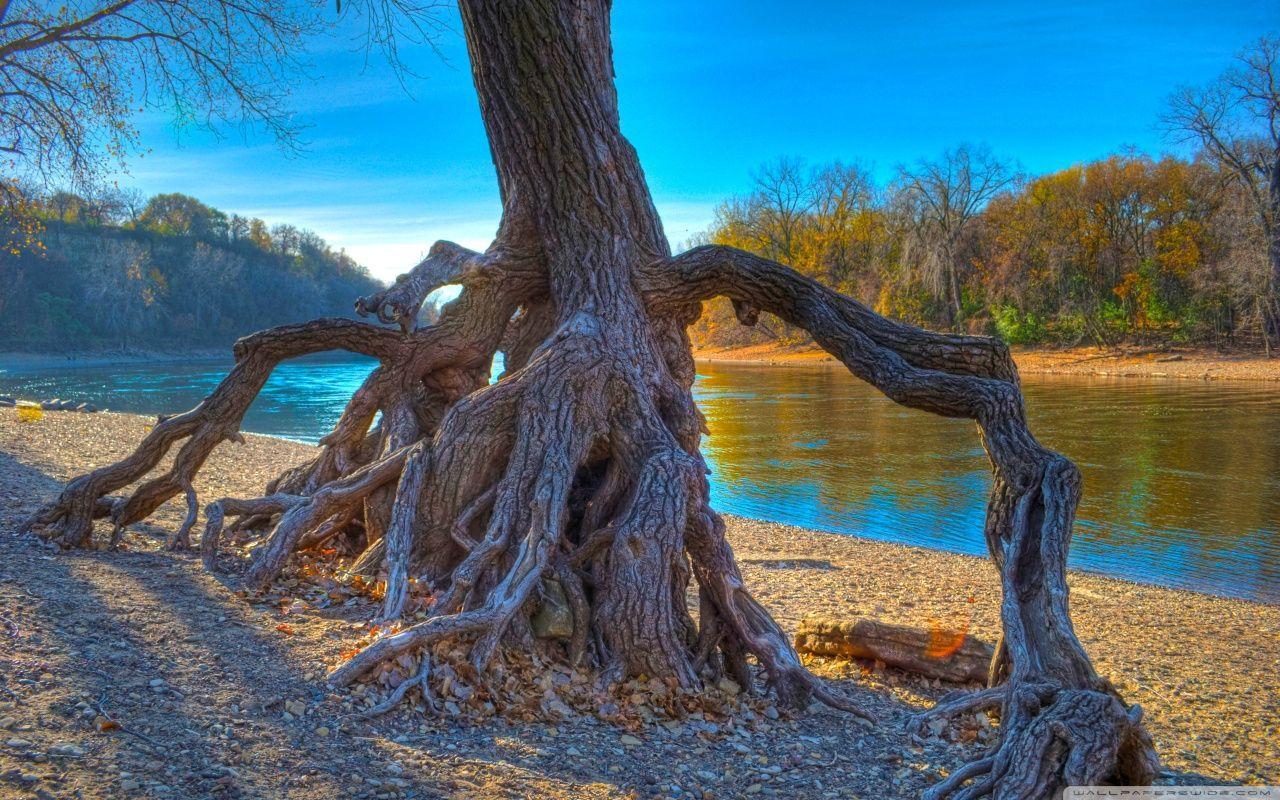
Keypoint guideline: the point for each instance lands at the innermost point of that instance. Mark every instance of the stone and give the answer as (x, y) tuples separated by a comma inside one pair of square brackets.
[(629, 740), (729, 686), (553, 619)]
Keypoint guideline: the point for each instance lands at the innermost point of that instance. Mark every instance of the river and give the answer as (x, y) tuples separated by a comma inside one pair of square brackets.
[(1182, 478)]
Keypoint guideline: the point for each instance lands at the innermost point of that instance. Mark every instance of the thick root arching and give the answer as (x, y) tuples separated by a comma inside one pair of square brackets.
[(578, 477)]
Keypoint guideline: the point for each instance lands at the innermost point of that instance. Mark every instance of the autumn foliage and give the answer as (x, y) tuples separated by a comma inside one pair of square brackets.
[(1129, 247)]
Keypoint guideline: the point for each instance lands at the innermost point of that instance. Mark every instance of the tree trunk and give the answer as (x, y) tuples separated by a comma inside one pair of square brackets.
[(1271, 320), (944, 654), (581, 465)]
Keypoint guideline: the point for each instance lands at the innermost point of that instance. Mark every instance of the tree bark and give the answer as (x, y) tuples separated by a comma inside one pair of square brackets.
[(582, 463), (943, 654)]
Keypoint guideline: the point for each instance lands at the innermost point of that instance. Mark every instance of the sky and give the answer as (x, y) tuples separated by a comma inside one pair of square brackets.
[(710, 91)]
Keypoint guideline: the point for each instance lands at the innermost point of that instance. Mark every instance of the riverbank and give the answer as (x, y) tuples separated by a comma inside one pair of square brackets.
[(12, 360), (100, 629), (1181, 362)]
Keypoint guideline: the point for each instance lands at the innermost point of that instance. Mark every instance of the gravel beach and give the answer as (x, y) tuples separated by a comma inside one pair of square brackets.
[(1191, 363), (139, 674)]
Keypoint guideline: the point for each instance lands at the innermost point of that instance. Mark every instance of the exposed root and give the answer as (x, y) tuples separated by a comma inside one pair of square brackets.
[(956, 704), (1050, 740), (579, 474), (216, 512), (181, 538), (305, 516), (1029, 520), (69, 519), (419, 680)]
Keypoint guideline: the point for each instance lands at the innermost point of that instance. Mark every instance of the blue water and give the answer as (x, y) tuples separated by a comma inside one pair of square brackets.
[(1182, 478)]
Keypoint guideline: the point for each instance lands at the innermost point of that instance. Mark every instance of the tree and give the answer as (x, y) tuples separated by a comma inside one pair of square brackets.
[(120, 288), (71, 74), (579, 472), (1236, 122), (943, 198), (181, 215)]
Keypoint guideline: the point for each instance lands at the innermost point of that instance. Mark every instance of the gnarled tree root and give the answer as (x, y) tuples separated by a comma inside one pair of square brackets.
[(1078, 728), (581, 470)]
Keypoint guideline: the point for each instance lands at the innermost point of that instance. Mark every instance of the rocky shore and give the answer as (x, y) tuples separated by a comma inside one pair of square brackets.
[(139, 674), (1203, 364)]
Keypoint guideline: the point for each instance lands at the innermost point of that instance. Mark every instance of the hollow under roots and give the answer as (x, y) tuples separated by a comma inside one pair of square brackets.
[(577, 478)]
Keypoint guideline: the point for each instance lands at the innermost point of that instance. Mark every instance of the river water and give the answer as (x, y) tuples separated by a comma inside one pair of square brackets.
[(1182, 478)]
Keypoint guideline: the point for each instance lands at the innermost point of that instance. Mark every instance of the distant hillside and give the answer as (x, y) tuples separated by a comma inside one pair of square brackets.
[(116, 273)]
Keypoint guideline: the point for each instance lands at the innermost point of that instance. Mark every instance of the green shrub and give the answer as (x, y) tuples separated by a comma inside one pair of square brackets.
[(1016, 327)]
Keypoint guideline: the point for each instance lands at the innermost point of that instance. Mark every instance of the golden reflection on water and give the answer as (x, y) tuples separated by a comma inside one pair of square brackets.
[(1182, 478)]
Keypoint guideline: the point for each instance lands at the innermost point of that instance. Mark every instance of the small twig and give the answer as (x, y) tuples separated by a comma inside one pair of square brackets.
[(100, 707), (395, 697)]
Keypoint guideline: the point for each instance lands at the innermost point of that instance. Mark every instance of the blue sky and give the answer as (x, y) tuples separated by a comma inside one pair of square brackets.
[(711, 90)]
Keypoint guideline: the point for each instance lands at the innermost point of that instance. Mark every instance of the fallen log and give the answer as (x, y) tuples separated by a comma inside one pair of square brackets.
[(948, 655)]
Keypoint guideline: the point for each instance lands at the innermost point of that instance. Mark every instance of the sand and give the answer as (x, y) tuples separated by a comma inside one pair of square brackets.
[(1187, 363), (202, 680)]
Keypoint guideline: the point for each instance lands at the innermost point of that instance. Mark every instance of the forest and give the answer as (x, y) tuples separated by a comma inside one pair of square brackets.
[(1127, 248), (116, 271)]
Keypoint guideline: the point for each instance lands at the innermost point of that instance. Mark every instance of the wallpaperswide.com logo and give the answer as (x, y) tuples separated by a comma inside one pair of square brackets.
[(1171, 793)]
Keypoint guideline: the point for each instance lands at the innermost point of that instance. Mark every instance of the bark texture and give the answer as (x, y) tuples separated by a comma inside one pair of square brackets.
[(579, 474), (944, 654)]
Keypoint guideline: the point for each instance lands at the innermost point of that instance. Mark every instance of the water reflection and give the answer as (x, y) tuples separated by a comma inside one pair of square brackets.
[(1182, 479)]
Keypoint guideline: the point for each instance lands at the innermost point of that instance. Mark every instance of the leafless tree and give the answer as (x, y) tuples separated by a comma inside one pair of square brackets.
[(1235, 120), (782, 199), (119, 288), (73, 74), (943, 199)]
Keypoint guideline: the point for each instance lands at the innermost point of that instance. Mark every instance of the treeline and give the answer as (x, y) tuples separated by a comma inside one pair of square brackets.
[(1129, 247), (119, 271)]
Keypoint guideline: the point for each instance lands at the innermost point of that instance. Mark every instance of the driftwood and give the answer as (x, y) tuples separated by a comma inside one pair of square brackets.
[(948, 655)]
